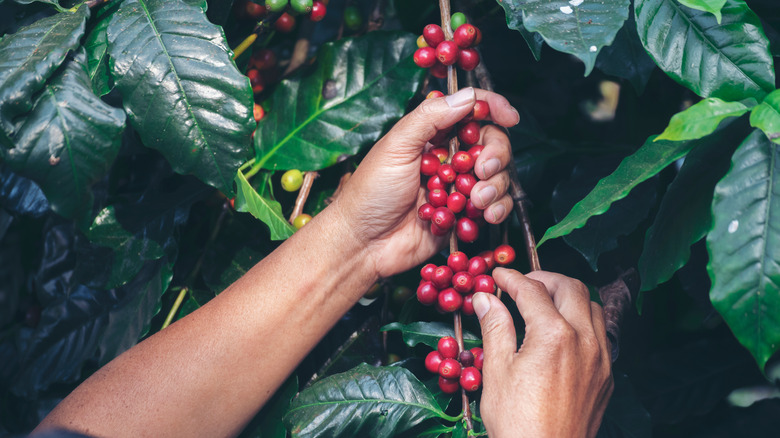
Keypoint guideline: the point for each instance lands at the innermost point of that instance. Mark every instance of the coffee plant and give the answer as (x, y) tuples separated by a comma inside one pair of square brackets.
[(152, 151)]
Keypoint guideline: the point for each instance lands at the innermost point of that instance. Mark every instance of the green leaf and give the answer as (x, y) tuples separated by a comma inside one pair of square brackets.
[(267, 210), (766, 116), (429, 333), (645, 163), (368, 401), (701, 119), (514, 20), (181, 89), (684, 217), (744, 247), (96, 43), (358, 89), (626, 57), (30, 56), (711, 6), (730, 60), (68, 141), (581, 28)]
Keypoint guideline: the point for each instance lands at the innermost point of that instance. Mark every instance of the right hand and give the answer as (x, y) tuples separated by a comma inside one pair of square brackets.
[(559, 382)]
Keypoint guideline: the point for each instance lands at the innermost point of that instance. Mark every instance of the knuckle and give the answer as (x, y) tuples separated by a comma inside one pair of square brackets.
[(561, 333)]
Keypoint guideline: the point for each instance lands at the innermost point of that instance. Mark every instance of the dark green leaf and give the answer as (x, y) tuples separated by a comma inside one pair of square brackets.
[(20, 195), (359, 88), (626, 57), (181, 89), (435, 431), (730, 60), (766, 116), (625, 416), (30, 56), (581, 28), (514, 20), (429, 333), (267, 210), (684, 217), (701, 119), (744, 247), (366, 401), (646, 162), (711, 6), (68, 141), (96, 44)]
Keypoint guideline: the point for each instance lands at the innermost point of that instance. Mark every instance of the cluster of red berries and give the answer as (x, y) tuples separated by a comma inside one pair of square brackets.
[(455, 369), (436, 52), (262, 70), (443, 206), (451, 287), (314, 9)]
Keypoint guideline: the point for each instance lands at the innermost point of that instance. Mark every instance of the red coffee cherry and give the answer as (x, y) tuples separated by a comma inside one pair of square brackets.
[(438, 231), (447, 173), (468, 59), (425, 57), (450, 368), (504, 255), (447, 52), (462, 282), (425, 212), (462, 162), (484, 283), (479, 357), (475, 151), (258, 112), (465, 35), (438, 198), (318, 11), (263, 59), (470, 379), (448, 386), (466, 358), (472, 211), (285, 23), (253, 10), (429, 164), (456, 202), (481, 110), (489, 259), (427, 293), (466, 229), (450, 300), (434, 183), (433, 361), (469, 133), (442, 277), (442, 153), (433, 35), (447, 347), (478, 39), (439, 70), (458, 261), (477, 266), (435, 93), (465, 182), (468, 305), (256, 80), (443, 218), (426, 273)]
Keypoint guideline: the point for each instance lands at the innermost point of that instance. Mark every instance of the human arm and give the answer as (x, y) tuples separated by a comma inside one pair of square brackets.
[(209, 373)]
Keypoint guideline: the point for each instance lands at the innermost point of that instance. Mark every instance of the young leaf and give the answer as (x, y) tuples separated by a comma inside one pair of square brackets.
[(267, 210), (428, 333), (181, 89), (744, 247), (514, 20), (578, 27), (646, 162), (730, 60), (377, 402), (68, 141), (30, 56), (766, 116), (701, 119), (711, 6), (96, 43), (360, 86)]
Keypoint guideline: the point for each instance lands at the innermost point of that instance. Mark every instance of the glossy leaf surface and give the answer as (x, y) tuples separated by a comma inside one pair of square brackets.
[(96, 43), (626, 57), (429, 333), (701, 119), (263, 208), (359, 88), (181, 89), (364, 401), (766, 116), (514, 20), (730, 60), (744, 247)]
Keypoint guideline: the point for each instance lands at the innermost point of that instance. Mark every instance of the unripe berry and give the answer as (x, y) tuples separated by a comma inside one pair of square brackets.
[(447, 173), (292, 180), (425, 57), (469, 133), (429, 164), (425, 212), (447, 52), (462, 162), (301, 220), (434, 183), (285, 23), (456, 202), (458, 19), (427, 293), (438, 198), (468, 59), (466, 358), (489, 259), (318, 11), (465, 35), (470, 379), (433, 361), (472, 211), (479, 357), (475, 151), (439, 70), (433, 35), (504, 255), (426, 273), (462, 282), (421, 42), (484, 283), (434, 94), (447, 347), (465, 182), (467, 230), (400, 295), (468, 305), (302, 6), (458, 261), (443, 218), (450, 368), (448, 386), (276, 5), (477, 266), (450, 300), (442, 277), (352, 18), (481, 110)]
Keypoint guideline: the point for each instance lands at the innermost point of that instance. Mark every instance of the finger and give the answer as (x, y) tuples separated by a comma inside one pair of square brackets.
[(498, 211), (499, 339), (532, 298), (486, 192), (570, 296), (413, 131), (501, 111), (496, 153)]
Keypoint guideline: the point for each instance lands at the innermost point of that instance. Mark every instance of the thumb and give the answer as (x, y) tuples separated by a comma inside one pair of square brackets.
[(414, 130), (498, 330)]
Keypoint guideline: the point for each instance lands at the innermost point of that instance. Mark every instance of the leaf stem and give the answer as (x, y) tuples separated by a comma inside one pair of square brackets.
[(175, 308)]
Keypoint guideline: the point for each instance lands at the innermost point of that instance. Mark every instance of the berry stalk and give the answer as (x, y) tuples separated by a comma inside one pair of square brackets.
[(303, 194)]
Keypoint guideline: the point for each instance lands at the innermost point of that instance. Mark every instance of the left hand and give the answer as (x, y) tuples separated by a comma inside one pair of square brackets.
[(379, 203)]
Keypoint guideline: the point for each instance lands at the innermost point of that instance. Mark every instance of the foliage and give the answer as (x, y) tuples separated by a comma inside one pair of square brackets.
[(129, 174)]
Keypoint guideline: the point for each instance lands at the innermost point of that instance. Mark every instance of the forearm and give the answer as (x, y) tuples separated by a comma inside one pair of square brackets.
[(208, 374)]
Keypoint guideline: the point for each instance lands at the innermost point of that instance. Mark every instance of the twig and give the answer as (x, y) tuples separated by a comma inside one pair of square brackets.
[(303, 194), (617, 298)]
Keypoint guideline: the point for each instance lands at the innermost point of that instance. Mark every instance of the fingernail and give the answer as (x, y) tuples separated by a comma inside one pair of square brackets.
[(461, 98), (486, 195), (490, 167), (481, 304), (497, 211)]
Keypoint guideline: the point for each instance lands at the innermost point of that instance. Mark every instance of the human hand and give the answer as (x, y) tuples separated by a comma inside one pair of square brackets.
[(379, 203), (559, 382)]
